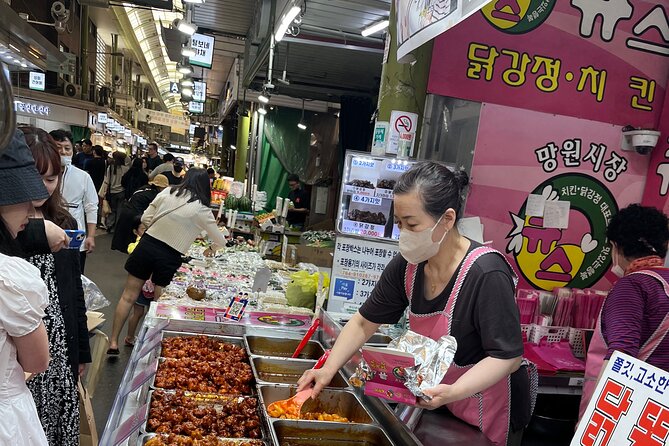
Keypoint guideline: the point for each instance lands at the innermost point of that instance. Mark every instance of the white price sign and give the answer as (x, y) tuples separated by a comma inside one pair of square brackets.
[(204, 50), (385, 193), (199, 91), (364, 163), (357, 266), (398, 166), (348, 189), (363, 229), (37, 81), (364, 199)]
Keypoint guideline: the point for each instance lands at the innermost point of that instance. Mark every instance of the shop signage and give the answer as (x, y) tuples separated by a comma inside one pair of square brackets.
[(37, 81), (356, 268), (199, 91), (206, 314), (196, 107), (92, 121), (630, 406), (657, 184), (522, 54), (174, 88), (520, 189), (420, 22), (178, 123), (204, 50), (103, 118), (400, 122), (380, 141), (31, 108)]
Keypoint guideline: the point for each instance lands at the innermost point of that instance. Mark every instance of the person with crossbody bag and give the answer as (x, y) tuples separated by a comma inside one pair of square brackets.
[(174, 219)]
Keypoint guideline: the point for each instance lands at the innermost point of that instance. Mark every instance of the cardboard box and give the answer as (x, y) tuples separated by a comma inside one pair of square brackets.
[(317, 256)]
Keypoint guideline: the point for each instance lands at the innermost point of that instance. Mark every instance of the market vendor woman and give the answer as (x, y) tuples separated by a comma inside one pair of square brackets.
[(454, 286)]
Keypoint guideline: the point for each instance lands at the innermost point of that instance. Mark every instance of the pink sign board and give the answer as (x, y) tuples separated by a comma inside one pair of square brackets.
[(657, 183), (207, 314), (558, 159), (387, 374), (602, 60)]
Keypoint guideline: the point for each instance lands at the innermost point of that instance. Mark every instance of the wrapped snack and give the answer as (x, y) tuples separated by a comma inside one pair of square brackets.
[(197, 290)]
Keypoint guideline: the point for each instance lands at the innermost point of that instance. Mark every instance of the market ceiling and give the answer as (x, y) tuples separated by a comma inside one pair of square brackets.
[(326, 58)]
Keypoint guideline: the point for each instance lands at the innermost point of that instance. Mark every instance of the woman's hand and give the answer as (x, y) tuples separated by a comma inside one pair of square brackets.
[(82, 369), (318, 378), (441, 394), (55, 236)]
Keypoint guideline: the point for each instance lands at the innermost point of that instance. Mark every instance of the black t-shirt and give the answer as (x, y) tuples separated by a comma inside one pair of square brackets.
[(300, 199), (152, 163), (485, 318), (173, 179), (96, 168), (81, 160)]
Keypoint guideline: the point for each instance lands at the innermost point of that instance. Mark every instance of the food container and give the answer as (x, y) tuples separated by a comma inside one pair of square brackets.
[(341, 402), (239, 342), (286, 371), (162, 360), (281, 347), (143, 439), (205, 400), (379, 340), (318, 433)]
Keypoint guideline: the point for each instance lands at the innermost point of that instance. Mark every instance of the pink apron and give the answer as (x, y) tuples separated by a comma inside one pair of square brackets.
[(598, 348), (490, 409)]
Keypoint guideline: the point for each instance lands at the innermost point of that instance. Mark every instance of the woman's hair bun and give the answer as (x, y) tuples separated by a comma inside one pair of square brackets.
[(462, 178)]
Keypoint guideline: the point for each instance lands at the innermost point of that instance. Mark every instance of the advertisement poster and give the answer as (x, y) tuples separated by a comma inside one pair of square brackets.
[(419, 21), (574, 166), (629, 407), (356, 268), (521, 54)]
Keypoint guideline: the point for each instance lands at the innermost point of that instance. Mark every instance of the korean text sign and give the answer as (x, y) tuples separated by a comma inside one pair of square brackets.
[(562, 159), (596, 59), (630, 406)]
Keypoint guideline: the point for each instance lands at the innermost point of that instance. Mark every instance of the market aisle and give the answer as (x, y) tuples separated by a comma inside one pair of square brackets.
[(105, 268)]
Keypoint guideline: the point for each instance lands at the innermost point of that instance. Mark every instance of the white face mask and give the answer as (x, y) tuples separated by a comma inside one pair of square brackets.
[(417, 247), (65, 160)]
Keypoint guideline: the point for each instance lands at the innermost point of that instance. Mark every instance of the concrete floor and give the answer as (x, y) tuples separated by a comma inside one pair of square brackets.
[(105, 268)]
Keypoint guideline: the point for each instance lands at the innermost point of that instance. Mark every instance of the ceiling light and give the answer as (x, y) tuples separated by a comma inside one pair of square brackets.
[(301, 125), (185, 26), (24, 65), (195, 2), (187, 51), (233, 147), (187, 82), (262, 111), (264, 98), (285, 22), (375, 28), (184, 69), (220, 127), (187, 92)]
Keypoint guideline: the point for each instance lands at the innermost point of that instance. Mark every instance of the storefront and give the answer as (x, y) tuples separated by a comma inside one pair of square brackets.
[(48, 116)]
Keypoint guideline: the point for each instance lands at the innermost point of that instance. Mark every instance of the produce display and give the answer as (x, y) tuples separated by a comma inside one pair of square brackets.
[(182, 414), (202, 348), (377, 218), (209, 440), (289, 412), (227, 377), (242, 204)]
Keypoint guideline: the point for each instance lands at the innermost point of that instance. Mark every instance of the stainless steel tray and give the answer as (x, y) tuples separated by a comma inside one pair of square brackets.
[(238, 341), (379, 339), (143, 439), (341, 402), (281, 347), (317, 433), (269, 370)]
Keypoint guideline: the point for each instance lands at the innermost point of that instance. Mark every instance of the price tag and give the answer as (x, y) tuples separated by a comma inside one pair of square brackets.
[(399, 166), (363, 163), (149, 346), (261, 280), (364, 199), (236, 308), (360, 228), (576, 382), (143, 377), (348, 189), (130, 425), (385, 193)]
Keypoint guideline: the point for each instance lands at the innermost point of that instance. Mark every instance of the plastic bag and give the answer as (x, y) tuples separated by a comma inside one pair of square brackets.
[(92, 295), (301, 291)]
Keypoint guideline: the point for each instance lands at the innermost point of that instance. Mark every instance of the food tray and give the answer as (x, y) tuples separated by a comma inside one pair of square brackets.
[(340, 402), (143, 439), (286, 371), (204, 400), (237, 341), (281, 347), (318, 433), (162, 360)]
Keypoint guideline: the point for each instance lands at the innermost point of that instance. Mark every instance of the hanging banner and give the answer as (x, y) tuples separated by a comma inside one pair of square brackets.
[(545, 197), (522, 54), (629, 407), (176, 122), (419, 21)]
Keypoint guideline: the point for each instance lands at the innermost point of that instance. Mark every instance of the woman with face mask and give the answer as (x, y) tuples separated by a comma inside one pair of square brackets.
[(452, 286), (635, 316)]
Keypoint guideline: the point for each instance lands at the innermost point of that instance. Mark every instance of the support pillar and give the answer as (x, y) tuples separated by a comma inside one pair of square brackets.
[(241, 157), (83, 53)]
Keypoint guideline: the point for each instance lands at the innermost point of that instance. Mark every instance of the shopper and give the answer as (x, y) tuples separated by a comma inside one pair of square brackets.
[(176, 175), (212, 174), (173, 220), (153, 160), (635, 316), (166, 166), (24, 345), (97, 166), (145, 295), (81, 159), (480, 312), (112, 187), (135, 207), (134, 178), (79, 193), (55, 391), (297, 215)]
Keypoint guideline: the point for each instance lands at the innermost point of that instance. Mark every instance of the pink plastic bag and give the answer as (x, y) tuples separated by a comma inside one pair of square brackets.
[(559, 355)]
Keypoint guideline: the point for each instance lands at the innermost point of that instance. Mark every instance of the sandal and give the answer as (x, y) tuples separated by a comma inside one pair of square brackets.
[(113, 351), (129, 342)]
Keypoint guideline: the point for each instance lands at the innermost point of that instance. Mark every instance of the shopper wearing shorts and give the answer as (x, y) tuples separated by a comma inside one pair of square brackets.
[(173, 220)]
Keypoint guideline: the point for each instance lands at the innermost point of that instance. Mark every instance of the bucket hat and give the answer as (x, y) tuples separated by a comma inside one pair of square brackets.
[(19, 179), (160, 181)]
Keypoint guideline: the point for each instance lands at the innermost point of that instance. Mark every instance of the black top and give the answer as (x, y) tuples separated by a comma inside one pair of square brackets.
[(133, 180), (70, 290), (96, 169), (81, 160), (301, 200), (137, 204), (486, 321), (152, 163), (173, 179)]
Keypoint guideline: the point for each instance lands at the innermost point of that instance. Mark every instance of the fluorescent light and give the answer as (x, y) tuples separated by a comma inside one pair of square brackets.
[(187, 52), (186, 82), (187, 92), (262, 98), (186, 27), (184, 69), (14, 48), (301, 126), (285, 22), (262, 111), (375, 28), (196, 2)]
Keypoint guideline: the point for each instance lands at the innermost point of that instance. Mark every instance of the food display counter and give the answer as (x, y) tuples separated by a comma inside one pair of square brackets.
[(213, 380)]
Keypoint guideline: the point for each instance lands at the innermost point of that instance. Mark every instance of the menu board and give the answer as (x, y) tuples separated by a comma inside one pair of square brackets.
[(366, 200)]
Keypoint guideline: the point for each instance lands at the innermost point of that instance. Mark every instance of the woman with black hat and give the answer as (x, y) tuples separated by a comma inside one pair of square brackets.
[(24, 345)]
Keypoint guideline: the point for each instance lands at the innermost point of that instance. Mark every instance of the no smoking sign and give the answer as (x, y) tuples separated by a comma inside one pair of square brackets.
[(401, 122)]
